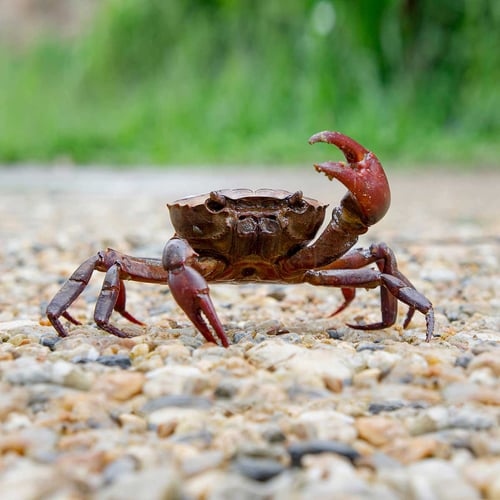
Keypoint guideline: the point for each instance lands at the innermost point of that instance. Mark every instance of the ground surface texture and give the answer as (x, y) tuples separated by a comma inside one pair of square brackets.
[(299, 406)]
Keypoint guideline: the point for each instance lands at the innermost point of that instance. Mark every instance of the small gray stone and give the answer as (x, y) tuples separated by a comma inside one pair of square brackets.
[(376, 408), (314, 447), (180, 401), (259, 469), (120, 360)]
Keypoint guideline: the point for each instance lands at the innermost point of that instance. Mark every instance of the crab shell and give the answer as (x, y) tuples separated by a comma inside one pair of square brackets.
[(235, 223)]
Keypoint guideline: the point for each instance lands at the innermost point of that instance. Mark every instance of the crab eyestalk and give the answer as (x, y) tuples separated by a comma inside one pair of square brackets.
[(369, 195)]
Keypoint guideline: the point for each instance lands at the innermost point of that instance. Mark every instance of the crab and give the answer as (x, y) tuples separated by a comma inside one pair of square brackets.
[(240, 235)]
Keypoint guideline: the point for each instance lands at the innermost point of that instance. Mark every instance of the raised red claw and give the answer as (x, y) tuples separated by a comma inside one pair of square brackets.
[(363, 176)]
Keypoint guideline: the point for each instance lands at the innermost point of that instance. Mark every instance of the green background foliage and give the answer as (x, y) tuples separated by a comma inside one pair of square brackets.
[(226, 81)]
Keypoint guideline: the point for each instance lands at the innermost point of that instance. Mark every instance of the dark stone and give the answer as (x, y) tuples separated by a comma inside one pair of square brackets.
[(463, 361), (259, 469), (274, 435), (50, 341), (179, 401), (335, 334), (120, 360), (376, 408), (243, 336), (314, 447), (202, 436), (278, 293), (225, 390), (367, 346)]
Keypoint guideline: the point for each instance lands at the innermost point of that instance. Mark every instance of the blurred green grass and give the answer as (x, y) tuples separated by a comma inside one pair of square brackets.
[(225, 82)]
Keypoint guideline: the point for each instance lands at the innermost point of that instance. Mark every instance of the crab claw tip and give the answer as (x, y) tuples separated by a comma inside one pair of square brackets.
[(324, 168), (363, 175)]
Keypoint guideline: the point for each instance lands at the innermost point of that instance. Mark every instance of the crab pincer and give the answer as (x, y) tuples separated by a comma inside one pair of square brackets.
[(369, 195), (190, 290)]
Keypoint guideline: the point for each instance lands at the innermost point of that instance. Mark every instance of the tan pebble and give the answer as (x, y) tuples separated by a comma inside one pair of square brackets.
[(416, 393), (363, 447), (487, 395), (489, 359), (120, 385), (185, 420), (166, 429), (333, 384), (238, 366), (262, 394), (382, 360), (493, 489), (148, 363), (15, 443), (367, 378), (202, 485), (176, 379), (380, 430), (19, 339), (486, 443), (271, 353), (132, 422), (83, 462), (228, 440), (353, 407), (483, 473), (80, 440), (173, 352), (6, 356), (327, 424), (79, 379), (90, 406), (409, 450), (139, 350)]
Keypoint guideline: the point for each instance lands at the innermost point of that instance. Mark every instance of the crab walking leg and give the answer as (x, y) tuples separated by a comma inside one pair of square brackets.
[(70, 291), (385, 259), (112, 297), (190, 290), (370, 278), (121, 302), (107, 300), (348, 294), (124, 266)]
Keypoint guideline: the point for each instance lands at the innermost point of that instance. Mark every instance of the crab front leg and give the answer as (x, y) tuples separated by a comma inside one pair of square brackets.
[(190, 290), (118, 267)]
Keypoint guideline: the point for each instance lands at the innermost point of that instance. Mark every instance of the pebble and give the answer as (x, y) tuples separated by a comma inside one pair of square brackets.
[(259, 469), (154, 483), (379, 430), (120, 385), (436, 478), (385, 406), (119, 360), (325, 425), (299, 450), (412, 449)]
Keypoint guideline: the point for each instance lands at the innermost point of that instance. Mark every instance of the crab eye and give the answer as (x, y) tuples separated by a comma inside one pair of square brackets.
[(216, 202), (296, 202)]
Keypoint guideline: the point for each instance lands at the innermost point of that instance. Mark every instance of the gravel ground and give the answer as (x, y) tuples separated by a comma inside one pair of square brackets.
[(299, 406)]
